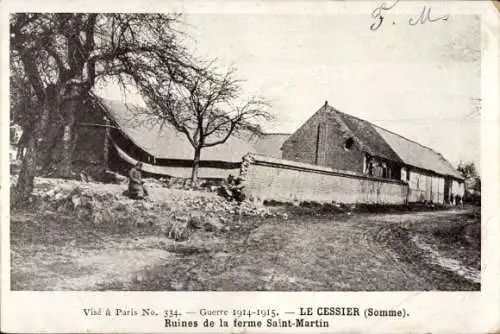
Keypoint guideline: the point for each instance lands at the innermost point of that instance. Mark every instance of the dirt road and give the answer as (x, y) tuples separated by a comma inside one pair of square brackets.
[(437, 250)]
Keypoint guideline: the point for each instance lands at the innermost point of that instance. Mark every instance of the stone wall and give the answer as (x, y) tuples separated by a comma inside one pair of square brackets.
[(288, 181)]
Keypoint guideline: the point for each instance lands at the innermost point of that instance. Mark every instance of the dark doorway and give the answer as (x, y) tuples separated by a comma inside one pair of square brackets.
[(447, 187)]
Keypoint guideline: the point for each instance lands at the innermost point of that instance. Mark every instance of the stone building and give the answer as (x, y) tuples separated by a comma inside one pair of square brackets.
[(333, 139)]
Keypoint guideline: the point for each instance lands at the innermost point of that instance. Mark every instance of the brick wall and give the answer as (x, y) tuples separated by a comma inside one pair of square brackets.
[(275, 179), (321, 140)]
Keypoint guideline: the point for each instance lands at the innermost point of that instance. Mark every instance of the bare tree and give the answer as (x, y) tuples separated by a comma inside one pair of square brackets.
[(61, 56), (205, 106)]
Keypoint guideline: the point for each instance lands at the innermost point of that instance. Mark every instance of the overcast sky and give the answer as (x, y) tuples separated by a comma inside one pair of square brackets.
[(418, 81)]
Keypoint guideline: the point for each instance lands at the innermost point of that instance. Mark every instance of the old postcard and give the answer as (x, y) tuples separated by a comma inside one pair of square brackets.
[(309, 166)]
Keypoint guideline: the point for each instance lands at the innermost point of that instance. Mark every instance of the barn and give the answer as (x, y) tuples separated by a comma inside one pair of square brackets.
[(114, 135), (337, 140)]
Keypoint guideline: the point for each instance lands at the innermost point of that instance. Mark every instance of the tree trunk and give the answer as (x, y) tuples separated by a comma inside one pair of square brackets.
[(48, 148), (69, 108), (196, 166), (106, 143), (26, 178), (25, 181), (64, 168), (50, 137)]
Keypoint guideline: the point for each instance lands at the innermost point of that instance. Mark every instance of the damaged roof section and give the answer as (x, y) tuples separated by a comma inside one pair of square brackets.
[(370, 140), (163, 141), (391, 146), (377, 141)]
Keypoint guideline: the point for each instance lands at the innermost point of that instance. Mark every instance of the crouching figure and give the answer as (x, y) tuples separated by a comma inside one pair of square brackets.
[(136, 188), (232, 189)]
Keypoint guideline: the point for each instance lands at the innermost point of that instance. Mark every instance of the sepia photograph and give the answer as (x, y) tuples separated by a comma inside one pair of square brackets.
[(249, 166), (245, 152)]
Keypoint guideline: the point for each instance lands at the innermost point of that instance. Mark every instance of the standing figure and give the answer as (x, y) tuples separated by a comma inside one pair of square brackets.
[(136, 188), (370, 168)]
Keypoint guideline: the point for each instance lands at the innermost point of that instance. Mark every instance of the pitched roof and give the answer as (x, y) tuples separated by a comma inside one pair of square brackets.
[(386, 144), (389, 145), (164, 141), (415, 154), (370, 140)]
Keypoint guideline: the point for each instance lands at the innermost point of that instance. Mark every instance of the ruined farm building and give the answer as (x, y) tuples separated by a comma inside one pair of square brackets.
[(340, 141), (115, 136)]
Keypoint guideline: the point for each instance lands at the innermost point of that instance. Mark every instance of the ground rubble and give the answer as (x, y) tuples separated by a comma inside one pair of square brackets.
[(174, 211)]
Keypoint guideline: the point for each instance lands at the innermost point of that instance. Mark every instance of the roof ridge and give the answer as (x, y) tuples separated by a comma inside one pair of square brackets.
[(394, 133), (136, 106), (364, 146), (427, 148)]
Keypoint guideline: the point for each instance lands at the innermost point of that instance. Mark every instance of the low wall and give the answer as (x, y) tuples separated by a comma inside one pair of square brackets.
[(287, 181)]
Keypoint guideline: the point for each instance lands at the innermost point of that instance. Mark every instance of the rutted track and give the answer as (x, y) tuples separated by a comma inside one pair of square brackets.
[(410, 245), (339, 252), (446, 263)]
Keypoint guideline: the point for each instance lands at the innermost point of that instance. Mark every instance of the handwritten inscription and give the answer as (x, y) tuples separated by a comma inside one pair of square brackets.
[(425, 15), (377, 14)]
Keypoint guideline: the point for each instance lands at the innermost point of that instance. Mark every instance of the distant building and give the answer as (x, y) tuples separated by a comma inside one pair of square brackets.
[(269, 144), (337, 140)]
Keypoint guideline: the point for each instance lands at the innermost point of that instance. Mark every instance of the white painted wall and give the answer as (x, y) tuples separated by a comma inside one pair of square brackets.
[(457, 188), (288, 181), (425, 187)]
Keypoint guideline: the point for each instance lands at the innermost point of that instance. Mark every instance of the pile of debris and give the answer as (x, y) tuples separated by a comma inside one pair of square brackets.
[(166, 182), (175, 212)]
